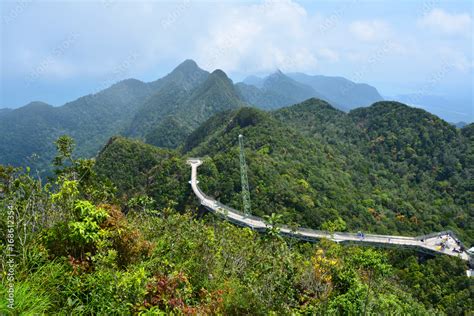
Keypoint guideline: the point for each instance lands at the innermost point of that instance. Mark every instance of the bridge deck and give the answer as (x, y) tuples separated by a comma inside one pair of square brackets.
[(443, 242)]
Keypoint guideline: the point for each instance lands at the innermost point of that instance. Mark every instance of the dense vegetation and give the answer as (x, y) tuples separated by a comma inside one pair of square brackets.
[(77, 252), (313, 164)]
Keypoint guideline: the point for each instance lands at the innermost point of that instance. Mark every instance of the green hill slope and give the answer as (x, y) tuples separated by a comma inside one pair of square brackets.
[(213, 95), (91, 120), (170, 93)]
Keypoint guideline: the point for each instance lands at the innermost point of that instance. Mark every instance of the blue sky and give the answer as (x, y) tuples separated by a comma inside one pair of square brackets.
[(59, 50)]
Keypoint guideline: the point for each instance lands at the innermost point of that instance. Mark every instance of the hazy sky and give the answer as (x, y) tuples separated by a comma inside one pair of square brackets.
[(57, 51)]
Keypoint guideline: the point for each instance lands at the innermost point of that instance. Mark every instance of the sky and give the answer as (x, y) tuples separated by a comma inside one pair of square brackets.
[(57, 51)]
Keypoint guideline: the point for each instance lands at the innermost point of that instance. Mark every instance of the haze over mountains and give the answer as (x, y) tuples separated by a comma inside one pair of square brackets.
[(456, 109), (278, 90), (163, 112)]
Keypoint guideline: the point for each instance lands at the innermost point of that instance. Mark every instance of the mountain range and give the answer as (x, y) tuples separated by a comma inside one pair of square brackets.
[(278, 89), (163, 112)]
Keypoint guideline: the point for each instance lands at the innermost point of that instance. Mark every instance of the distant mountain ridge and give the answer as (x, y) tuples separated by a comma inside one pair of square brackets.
[(297, 87), (275, 91), (91, 120), (341, 91)]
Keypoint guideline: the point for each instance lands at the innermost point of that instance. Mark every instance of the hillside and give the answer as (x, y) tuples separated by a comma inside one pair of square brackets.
[(170, 93), (91, 120), (93, 256), (312, 163), (180, 107)]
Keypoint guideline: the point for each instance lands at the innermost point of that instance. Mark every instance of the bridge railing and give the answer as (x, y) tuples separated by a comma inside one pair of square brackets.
[(447, 232), (240, 213), (227, 208), (298, 230), (204, 194), (311, 234)]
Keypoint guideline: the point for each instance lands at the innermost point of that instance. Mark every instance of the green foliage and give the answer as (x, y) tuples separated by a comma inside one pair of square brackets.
[(176, 264), (85, 229), (438, 283), (140, 170), (29, 300), (336, 225), (65, 146)]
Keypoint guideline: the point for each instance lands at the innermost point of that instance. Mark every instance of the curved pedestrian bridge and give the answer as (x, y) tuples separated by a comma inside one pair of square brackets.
[(442, 243)]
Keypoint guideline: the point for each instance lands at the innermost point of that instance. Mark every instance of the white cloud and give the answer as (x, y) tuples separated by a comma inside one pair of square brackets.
[(258, 38), (445, 22), (239, 37), (369, 31), (328, 54), (455, 59)]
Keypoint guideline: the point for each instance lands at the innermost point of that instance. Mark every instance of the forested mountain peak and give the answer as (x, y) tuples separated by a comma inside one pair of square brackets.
[(130, 82), (188, 66), (275, 91), (275, 75), (392, 114), (35, 105), (217, 93), (279, 79), (220, 74), (174, 112), (311, 105), (218, 79), (187, 74)]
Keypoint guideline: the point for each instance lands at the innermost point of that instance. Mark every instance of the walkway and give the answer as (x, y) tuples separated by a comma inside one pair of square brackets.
[(443, 242)]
